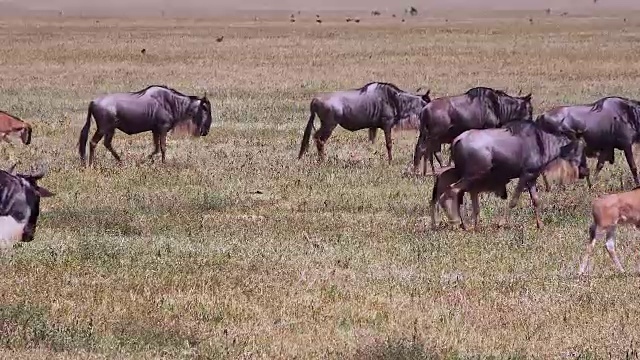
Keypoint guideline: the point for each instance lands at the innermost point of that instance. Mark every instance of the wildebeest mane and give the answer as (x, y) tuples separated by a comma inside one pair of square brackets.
[(527, 128), (143, 91), (393, 86), (481, 91), (492, 96), (630, 107)]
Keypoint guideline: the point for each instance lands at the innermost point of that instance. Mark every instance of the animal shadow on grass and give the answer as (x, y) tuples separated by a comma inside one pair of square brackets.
[(411, 350), (102, 220), (396, 349)]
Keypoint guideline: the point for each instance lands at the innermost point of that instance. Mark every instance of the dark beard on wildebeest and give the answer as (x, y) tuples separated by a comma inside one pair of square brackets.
[(605, 125), (156, 109), (520, 150), (374, 106), (479, 108)]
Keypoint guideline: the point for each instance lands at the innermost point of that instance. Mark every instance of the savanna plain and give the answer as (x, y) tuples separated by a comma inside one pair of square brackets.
[(235, 249)]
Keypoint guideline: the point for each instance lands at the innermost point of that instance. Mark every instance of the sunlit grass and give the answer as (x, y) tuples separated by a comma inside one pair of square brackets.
[(236, 249)]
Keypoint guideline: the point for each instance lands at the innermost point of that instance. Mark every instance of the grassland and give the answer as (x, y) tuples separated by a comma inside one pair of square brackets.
[(234, 249)]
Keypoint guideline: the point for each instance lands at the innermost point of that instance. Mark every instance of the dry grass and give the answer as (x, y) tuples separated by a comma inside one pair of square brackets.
[(235, 249)]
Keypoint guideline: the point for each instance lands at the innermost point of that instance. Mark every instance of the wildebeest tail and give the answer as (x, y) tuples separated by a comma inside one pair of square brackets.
[(307, 131), (423, 137), (84, 134)]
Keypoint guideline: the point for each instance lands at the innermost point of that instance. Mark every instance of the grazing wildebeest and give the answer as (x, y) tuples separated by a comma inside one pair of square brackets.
[(608, 212), (156, 108), (10, 124), (376, 105), (19, 205), (478, 108), (520, 149), (605, 125)]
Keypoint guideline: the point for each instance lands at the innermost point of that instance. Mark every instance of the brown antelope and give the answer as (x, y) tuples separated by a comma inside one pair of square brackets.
[(10, 124), (608, 212)]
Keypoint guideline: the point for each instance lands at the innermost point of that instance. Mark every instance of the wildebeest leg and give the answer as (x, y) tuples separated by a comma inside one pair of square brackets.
[(600, 164), (388, 141), (163, 145), (420, 152), (321, 136), (546, 182), (513, 202), (475, 206), (372, 134), (611, 248), (156, 144), (533, 193), (432, 152), (108, 138), (95, 139), (593, 233), (628, 154)]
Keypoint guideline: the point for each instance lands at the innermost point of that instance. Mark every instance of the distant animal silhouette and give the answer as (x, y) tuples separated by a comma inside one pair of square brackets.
[(143, 51), (219, 39)]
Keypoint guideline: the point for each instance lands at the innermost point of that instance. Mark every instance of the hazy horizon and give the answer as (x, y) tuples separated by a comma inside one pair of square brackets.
[(220, 7)]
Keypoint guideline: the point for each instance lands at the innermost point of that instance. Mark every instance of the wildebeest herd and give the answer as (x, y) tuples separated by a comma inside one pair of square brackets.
[(493, 139)]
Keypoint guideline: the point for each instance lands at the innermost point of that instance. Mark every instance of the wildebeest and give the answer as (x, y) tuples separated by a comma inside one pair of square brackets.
[(478, 108), (19, 205), (520, 149), (156, 108), (605, 125), (608, 212), (10, 124), (444, 178), (376, 105)]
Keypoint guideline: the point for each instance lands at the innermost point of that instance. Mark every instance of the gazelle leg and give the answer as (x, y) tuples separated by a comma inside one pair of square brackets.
[(593, 233), (611, 248)]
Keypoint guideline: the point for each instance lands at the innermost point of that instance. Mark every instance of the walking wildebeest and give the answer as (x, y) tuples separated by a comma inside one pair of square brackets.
[(156, 108), (605, 125), (376, 105), (608, 212), (520, 149), (479, 108), (19, 205), (10, 124), (447, 176)]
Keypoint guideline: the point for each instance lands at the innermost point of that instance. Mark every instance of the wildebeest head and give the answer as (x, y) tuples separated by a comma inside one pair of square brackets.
[(201, 110), (519, 108), (23, 196), (410, 106), (573, 153)]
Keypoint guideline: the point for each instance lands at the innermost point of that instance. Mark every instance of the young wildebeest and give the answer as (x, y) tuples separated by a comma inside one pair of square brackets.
[(558, 169), (374, 106), (605, 125), (19, 205), (10, 124), (520, 149), (156, 108), (447, 176), (479, 108), (608, 212)]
